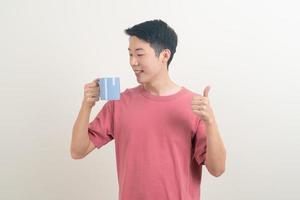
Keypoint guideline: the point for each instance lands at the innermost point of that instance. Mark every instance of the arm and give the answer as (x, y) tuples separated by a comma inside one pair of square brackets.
[(215, 150), (81, 144)]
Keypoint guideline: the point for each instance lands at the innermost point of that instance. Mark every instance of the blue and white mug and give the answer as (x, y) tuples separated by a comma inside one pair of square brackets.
[(109, 88)]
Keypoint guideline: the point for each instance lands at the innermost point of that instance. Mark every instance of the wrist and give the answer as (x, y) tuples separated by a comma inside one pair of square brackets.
[(86, 107), (210, 123)]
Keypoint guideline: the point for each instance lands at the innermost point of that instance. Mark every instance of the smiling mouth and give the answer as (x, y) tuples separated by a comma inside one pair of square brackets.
[(138, 71)]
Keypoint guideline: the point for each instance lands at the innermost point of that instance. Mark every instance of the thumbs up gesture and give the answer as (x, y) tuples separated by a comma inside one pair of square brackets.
[(202, 108)]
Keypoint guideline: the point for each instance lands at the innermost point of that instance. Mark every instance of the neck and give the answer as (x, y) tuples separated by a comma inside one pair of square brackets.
[(162, 86)]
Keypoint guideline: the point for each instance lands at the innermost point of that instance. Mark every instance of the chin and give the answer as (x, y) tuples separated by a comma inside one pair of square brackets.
[(141, 82)]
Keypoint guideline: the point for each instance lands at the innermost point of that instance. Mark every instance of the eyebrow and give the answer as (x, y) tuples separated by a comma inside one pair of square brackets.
[(137, 49)]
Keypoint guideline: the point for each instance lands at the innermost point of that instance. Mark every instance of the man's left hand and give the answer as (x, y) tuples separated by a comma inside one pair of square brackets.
[(202, 108)]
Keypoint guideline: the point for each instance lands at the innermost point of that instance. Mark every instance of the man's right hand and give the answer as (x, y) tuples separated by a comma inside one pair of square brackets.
[(91, 94)]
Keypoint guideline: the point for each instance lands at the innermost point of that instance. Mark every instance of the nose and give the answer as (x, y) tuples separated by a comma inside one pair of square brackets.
[(133, 61)]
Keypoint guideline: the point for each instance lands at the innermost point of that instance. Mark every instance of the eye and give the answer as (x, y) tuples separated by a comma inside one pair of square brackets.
[(140, 54)]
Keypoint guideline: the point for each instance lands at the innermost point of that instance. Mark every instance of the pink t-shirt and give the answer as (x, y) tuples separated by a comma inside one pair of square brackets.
[(160, 144)]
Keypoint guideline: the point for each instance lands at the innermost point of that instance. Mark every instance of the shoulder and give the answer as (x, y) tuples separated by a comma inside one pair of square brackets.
[(130, 92), (127, 96), (190, 93)]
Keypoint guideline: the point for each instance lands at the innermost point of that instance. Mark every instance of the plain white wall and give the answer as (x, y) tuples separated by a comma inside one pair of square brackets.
[(248, 51)]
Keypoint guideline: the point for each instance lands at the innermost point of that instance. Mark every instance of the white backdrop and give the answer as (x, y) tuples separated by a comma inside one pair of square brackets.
[(248, 51)]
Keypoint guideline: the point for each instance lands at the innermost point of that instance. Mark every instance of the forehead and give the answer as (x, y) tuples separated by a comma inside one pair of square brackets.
[(136, 44)]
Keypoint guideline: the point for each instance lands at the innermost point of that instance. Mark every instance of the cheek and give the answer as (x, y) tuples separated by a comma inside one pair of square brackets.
[(150, 66)]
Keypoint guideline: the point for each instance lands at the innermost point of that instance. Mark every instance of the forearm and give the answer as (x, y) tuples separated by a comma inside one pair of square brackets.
[(80, 138), (215, 150)]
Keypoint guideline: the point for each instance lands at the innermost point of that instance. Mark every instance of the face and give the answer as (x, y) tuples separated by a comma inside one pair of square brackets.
[(145, 64)]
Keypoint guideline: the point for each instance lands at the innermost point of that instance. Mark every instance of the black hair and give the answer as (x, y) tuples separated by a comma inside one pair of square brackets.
[(158, 33)]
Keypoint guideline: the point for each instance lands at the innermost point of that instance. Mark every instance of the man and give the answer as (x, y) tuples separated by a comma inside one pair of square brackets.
[(163, 132)]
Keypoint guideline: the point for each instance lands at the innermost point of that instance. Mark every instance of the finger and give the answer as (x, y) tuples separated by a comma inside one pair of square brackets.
[(202, 114), (88, 85), (206, 91), (94, 84), (195, 107), (197, 101), (198, 107), (199, 97), (92, 90), (92, 99), (92, 95), (200, 102), (96, 81)]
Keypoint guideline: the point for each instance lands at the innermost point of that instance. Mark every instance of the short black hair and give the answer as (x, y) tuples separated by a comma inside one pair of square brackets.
[(158, 33)]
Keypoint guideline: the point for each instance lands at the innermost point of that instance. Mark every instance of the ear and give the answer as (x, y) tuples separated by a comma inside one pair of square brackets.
[(165, 55)]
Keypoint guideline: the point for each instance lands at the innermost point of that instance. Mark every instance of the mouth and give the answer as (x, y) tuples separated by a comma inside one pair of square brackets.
[(138, 71)]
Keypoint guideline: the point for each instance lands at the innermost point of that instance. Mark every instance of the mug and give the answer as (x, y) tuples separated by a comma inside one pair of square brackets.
[(109, 88)]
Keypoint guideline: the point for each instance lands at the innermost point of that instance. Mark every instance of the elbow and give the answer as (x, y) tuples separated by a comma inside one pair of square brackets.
[(217, 173), (217, 168), (75, 156)]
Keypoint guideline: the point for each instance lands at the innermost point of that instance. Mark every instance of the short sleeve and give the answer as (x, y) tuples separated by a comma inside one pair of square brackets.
[(101, 129), (200, 143)]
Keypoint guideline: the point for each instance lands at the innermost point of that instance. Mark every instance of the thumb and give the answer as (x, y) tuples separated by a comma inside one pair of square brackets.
[(94, 83), (96, 80), (206, 90)]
